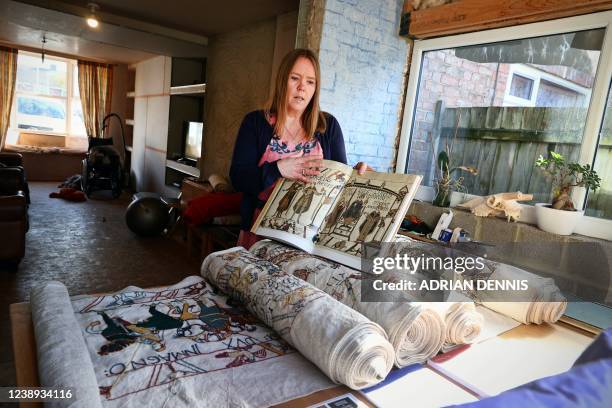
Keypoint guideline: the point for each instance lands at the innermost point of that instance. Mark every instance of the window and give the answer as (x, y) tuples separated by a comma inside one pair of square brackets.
[(600, 202), (544, 86), (500, 104), (46, 98), (521, 87)]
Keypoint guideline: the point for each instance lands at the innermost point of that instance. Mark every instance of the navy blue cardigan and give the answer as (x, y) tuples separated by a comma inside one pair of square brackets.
[(253, 137)]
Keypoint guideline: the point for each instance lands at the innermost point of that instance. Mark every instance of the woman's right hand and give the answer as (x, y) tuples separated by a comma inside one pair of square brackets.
[(300, 168)]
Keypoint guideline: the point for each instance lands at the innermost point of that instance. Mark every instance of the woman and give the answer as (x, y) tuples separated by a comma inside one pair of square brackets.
[(289, 139)]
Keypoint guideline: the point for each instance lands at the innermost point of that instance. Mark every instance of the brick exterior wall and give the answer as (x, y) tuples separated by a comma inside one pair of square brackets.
[(363, 65), (459, 83)]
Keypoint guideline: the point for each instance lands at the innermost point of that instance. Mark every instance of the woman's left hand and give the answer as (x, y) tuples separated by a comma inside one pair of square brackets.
[(362, 167)]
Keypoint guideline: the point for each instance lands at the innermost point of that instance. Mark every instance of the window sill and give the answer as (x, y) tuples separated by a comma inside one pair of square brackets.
[(45, 140), (589, 227), (43, 149), (492, 229)]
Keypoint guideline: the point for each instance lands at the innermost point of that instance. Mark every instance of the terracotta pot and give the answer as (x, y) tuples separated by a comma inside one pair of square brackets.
[(559, 222)]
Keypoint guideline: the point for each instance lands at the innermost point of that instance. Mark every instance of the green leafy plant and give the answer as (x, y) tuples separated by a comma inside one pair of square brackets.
[(565, 176), (446, 180)]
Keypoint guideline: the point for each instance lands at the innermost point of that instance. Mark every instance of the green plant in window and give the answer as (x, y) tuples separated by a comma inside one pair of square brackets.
[(565, 176), (446, 181)]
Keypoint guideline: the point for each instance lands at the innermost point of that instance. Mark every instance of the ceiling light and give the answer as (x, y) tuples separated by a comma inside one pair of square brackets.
[(92, 20)]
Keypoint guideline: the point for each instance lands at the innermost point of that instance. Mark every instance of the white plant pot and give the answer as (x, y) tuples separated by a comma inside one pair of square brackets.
[(559, 222)]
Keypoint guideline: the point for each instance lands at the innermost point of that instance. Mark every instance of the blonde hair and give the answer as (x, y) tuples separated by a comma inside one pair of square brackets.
[(312, 120)]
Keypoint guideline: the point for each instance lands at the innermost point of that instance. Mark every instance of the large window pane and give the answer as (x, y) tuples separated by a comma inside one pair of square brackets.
[(77, 123), (35, 77), (511, 102), (39, 113), (600, 202)]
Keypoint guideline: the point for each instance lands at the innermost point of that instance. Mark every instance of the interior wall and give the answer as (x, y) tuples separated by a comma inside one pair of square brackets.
[(363, 67), (284, 41), (119, 102), (238, 81)]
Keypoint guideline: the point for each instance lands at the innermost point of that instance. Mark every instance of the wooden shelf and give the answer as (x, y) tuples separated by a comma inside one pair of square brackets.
[(183, 168), (191, 90), (129, 122)]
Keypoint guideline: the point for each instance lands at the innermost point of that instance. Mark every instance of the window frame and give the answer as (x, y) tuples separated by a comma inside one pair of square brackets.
[(71, 69), (513, 100), (537, 76), (589, 226)]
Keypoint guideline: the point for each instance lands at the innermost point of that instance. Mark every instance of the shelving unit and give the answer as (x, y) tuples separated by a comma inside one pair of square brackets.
[(192, 90), (183, 168), (129, 123), (187, 92), (129, 111)]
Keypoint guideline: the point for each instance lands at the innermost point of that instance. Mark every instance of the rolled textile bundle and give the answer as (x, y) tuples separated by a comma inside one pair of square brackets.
[(346, 346), (220, 183), (416, 332), (542, 302), (547, 304), (55, 328), (463, 322)]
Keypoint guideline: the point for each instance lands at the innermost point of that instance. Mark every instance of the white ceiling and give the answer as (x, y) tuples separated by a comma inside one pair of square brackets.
[(130, 30)]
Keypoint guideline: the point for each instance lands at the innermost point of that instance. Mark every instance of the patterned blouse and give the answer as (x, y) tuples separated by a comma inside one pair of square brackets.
[(279, 149)]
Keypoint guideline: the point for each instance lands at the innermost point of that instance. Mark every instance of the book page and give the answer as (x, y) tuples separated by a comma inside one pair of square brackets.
[(295, 210), (369, 209)]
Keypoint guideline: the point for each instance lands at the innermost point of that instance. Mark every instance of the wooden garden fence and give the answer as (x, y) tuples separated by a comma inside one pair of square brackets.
[(504, 143)]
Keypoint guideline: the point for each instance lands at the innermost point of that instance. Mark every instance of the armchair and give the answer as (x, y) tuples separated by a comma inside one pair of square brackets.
[(11, 159), (15, 160), (13, 215)]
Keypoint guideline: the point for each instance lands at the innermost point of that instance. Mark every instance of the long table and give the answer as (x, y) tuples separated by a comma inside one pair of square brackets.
[(523, 354)]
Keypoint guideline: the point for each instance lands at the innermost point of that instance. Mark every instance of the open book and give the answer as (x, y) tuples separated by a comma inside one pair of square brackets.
[(338, 211)]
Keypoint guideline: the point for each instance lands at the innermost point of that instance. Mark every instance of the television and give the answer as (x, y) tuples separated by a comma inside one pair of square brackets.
[(192, 140)]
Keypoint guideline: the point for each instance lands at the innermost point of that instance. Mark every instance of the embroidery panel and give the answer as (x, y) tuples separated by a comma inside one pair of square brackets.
[(143, 339)]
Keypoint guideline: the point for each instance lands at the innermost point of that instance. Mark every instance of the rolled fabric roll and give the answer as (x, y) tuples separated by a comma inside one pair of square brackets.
[(542, 302), (463, 322), (345, 345), (55, 328), (220, 183), (416, 332)]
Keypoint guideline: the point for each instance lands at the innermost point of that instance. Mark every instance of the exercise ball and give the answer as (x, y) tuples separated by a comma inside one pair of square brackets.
[(147, 216)]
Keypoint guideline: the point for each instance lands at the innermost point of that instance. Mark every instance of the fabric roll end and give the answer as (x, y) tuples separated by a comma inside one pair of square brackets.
[(379, 367)]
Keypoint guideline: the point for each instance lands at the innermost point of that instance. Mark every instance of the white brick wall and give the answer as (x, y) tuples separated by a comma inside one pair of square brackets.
[(362, 66)]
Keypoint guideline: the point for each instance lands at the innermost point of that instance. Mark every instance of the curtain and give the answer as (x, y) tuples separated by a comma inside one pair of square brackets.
[(95, 88), (8, 74)]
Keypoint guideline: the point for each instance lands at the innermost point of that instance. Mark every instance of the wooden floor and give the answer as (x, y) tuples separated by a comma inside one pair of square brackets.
[(88, 247)]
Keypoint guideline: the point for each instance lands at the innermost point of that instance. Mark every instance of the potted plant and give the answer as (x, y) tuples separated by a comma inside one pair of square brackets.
[(445, 182), (561, 217)]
